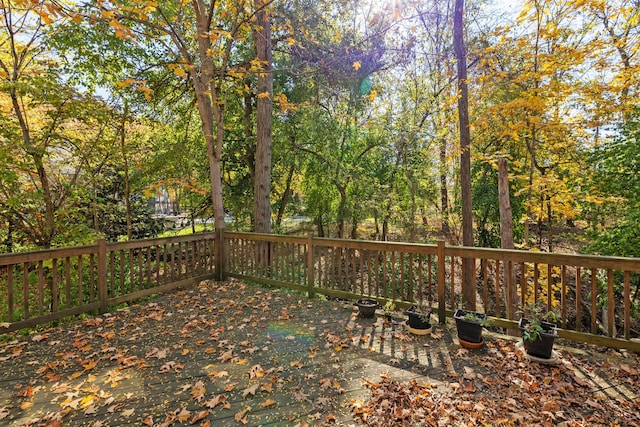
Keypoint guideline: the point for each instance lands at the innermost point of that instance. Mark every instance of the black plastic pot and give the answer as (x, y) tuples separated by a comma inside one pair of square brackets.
[(418, 319), (469, 330), (367, 307), (543, 346)]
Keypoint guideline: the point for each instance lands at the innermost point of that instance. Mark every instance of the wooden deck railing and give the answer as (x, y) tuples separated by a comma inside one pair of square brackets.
[(39, 287), (593, 295)]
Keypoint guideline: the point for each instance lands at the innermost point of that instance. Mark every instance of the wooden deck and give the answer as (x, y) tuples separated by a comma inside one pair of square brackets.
[(233, 354)]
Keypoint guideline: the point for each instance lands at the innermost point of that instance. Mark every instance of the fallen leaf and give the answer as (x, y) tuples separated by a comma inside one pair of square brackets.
[(268, 402), (241, 416), (215, 401), (198, 391), (218, 374), (250, 391), (199, 416), (184, 415)]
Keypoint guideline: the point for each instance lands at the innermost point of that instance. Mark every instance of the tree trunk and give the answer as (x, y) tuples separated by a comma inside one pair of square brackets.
[(506, 231), (506, 215), (210, 108), (262, 182), (286, 196), (127, 182), (444, 194), (468, 284)]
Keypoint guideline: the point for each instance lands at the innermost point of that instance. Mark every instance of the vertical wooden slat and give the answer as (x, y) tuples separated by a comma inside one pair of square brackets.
[(148, 267), (627, 305), (139, 256), (10, 292), (80, 282), (25, 290), (578, 299), (172, 263), (497, 287), (452, 302), (310, 262), (536, 277), (610, 304), (510, 291), (594, 298), (54, 285), (102, 275), (563, 299), (420, 281), (40, 288), (165, 264), (549, 287), (429, 278), (67, 279), (394, 294), (132, 276), (92, 278), (121, 272), (356, 261), (156, 268), (485, 283), (441, 283), (410, 296), (385, 273), (523, 284), (377, 277)]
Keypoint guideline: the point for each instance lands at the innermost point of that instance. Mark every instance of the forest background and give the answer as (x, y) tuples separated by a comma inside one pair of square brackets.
[(343, 113)]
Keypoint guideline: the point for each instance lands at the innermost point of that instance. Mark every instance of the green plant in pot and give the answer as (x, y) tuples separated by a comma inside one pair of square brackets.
[(539, 331), (388, 309), (469, 325), (419, 319)]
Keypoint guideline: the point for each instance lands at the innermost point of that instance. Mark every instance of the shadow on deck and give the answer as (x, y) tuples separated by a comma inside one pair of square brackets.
[(234, 354)]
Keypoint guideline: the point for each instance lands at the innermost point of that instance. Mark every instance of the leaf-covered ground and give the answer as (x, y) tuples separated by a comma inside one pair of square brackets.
[(233, 354)]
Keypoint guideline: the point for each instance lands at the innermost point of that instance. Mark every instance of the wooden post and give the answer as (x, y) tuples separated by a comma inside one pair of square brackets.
[(219, 252), (102, 275), (442, 314), (310, 290)]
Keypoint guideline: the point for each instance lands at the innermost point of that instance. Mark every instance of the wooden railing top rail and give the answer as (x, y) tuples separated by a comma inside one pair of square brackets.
[(514, 255), (20, 257), (261, 237), (134, 244), (42, 255), (342, 243)]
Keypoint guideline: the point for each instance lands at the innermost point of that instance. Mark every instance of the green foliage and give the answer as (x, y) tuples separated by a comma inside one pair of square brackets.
[(614, 210)]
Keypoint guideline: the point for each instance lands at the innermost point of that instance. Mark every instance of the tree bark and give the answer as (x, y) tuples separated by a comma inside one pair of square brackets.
[(127, 182), (262, 182), (468, 284), (444, 194), (506, 215), (286, 196)]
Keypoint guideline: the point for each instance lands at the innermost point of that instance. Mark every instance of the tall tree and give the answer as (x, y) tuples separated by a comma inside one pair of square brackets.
[(262, 178), (468, 284), (201, 41)]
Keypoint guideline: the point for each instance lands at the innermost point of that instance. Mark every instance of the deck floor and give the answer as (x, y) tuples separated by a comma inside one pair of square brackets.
[(235, 354)]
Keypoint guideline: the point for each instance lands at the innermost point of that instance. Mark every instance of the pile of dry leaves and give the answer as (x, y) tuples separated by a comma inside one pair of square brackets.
[(508, 389)]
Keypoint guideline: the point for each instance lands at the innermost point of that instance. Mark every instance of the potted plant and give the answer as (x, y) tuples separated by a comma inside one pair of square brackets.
[(539, 331), (367, 307), (388, 309), (419, 321), (469, 325)]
